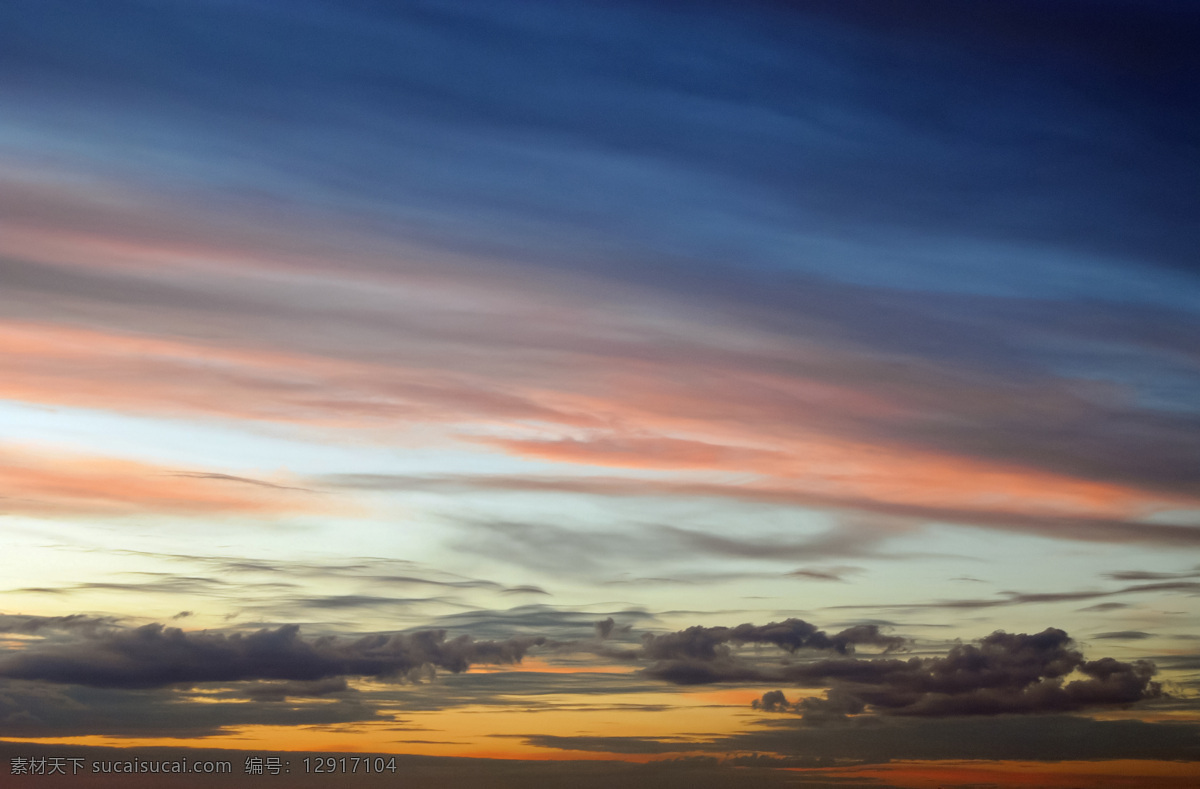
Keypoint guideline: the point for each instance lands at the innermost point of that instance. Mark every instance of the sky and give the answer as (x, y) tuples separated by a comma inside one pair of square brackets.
[(569, 393)]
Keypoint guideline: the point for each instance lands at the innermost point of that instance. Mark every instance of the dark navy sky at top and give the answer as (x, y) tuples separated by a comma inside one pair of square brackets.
[(713, 132), (880, 169)]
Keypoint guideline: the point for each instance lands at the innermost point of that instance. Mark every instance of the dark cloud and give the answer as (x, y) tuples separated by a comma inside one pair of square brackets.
[(772, 701), (560, 623), (1141, 575), (527, 690), (820, 575), (39, 709), (605, 627), (1001, 674), (153, 656), (825, 573), (526, 589), (712, 643), (88, 625), (1025, 598), (1124, 635), (832, 708), (232, 478)]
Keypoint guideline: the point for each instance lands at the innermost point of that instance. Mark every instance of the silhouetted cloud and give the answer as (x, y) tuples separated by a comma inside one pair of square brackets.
[(605, 627), (1002, 673), (1124, 635), (90, 625), (41, 709), (711, 643), (155, 656), (772, 701)]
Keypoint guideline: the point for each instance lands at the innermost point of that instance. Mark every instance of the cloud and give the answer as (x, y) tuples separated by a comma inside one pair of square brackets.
[(825, 574), (554, 622), (286, 575), (847, 319), (1000, 674), (39, 709), (524, 589), (281, 691), (334, 602), (1124, 635), (233, 478), (1141, 575), (59, 484), (901, 516), (1027, 598), (771, 701), (711, 643), (156, 656), (605, 554), (88, 625)]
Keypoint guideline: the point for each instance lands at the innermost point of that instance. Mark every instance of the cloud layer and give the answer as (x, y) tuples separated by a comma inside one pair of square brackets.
[(1002, 674), (155, 656)]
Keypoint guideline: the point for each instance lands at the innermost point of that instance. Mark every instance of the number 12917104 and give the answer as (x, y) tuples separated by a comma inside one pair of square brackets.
[(350, 764)]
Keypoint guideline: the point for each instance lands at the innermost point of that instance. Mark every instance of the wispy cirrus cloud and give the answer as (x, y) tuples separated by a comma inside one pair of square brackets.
[(43, 483), (1026, 598), (903, 515)]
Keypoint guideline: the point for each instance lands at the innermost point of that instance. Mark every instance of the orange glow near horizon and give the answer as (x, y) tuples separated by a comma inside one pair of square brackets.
[(488, 730)]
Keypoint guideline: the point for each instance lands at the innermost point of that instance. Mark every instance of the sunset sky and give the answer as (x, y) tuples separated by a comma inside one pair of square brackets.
[(806, 389)]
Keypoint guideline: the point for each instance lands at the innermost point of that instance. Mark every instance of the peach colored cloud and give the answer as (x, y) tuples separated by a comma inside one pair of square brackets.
[(826, 467), (550, 370), (678, 429), (56, 365), (40, 483)]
